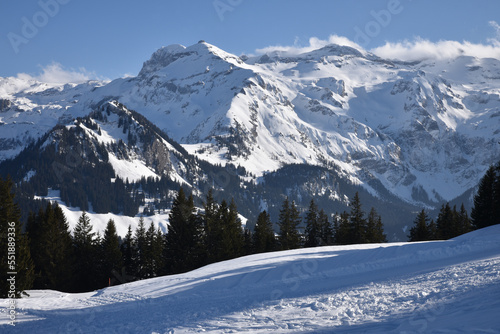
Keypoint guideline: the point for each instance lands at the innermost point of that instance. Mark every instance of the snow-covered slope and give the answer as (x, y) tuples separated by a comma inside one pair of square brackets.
[(441, 286), (29, 109), (426, 130)]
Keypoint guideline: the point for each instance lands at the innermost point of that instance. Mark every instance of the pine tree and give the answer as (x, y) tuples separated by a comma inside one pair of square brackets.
[(15, 254), (263, 236), (86, 243), (211, 230), (182, 236), (445, 223), (326, 231), (342, 229), (289, 220), (420, 230), (358, 222), (375, 228), (140, 244), (313, 229), (233, 232), (52, 249), (486, 209), (112, 257), (464, 223), (128, 250)]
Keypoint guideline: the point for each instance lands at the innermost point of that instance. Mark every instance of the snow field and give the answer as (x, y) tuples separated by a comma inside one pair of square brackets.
[(440, 286)]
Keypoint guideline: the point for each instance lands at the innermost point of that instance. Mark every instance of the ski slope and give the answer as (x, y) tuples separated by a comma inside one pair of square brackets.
[(441, 286)]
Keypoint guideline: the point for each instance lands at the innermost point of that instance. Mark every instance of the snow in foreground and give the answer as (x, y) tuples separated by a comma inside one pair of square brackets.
[(443, 286)]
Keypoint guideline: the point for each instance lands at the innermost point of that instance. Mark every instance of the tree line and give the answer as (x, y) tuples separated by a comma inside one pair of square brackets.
[(49, 256), (451, 223), (53, 257)]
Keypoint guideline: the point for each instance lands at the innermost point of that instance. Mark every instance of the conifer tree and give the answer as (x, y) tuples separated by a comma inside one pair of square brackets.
[(182, 238), (445, 223), (464, 222), (375, 228), (358, 222), (421, 229), (289, 220), (112, 257), (313, 229), (140, 245), (128, 251), (342, 229), (211, 229), (263, 236), (15, 254), (52, 249), (86, 243), (233, 232), (486, 209), (326, 231)]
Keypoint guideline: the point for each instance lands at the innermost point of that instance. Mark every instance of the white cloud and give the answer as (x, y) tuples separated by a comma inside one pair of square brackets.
[(420, 49), (408, 50), (56, 74), (314, 44)]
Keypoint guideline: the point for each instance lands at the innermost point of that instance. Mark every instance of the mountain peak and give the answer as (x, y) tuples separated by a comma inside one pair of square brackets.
[(163, 57)]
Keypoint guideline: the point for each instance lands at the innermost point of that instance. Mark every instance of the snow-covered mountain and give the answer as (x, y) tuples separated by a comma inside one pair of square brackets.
[(423, 131), (426, 287)]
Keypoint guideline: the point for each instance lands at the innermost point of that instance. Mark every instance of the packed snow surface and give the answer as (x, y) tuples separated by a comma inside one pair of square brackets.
[(440, 286)]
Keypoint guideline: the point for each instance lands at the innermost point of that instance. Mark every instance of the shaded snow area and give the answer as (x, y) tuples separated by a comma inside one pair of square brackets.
[(441, 287)]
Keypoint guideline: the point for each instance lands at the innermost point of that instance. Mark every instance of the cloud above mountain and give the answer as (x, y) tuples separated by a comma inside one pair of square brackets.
[(55, 73), (407, 50)]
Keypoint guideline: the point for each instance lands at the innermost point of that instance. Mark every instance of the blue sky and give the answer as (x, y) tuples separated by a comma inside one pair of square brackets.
[(110, 38)]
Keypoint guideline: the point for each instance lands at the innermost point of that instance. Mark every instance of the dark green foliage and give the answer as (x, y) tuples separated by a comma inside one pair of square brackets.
[(86, 247), (52, 249), (263, 236), (486, 210), (374, 228), (14, 246), (326, 231), (358, 222), (111, 255), (128, 252), (313, 229), (289, 220), (421, 228), (182, 238)]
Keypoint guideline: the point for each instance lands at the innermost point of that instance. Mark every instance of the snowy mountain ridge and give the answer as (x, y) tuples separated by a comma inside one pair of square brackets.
[(426, 130)]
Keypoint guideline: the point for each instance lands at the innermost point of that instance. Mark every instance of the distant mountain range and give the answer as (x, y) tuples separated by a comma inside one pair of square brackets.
[(321, 124)]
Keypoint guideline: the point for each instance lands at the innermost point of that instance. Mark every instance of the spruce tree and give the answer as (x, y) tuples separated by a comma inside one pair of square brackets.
[(358, 222), (182, 238), (313, 229), (128, 250), (15, 258), (263, 236), (420, 230), (140, 245), (211, 229), (375, 228), (52, 249), (86, 243), (326, 231), (112, 257), (445, 223), (486, 209), (289, 219), (342, 229)]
